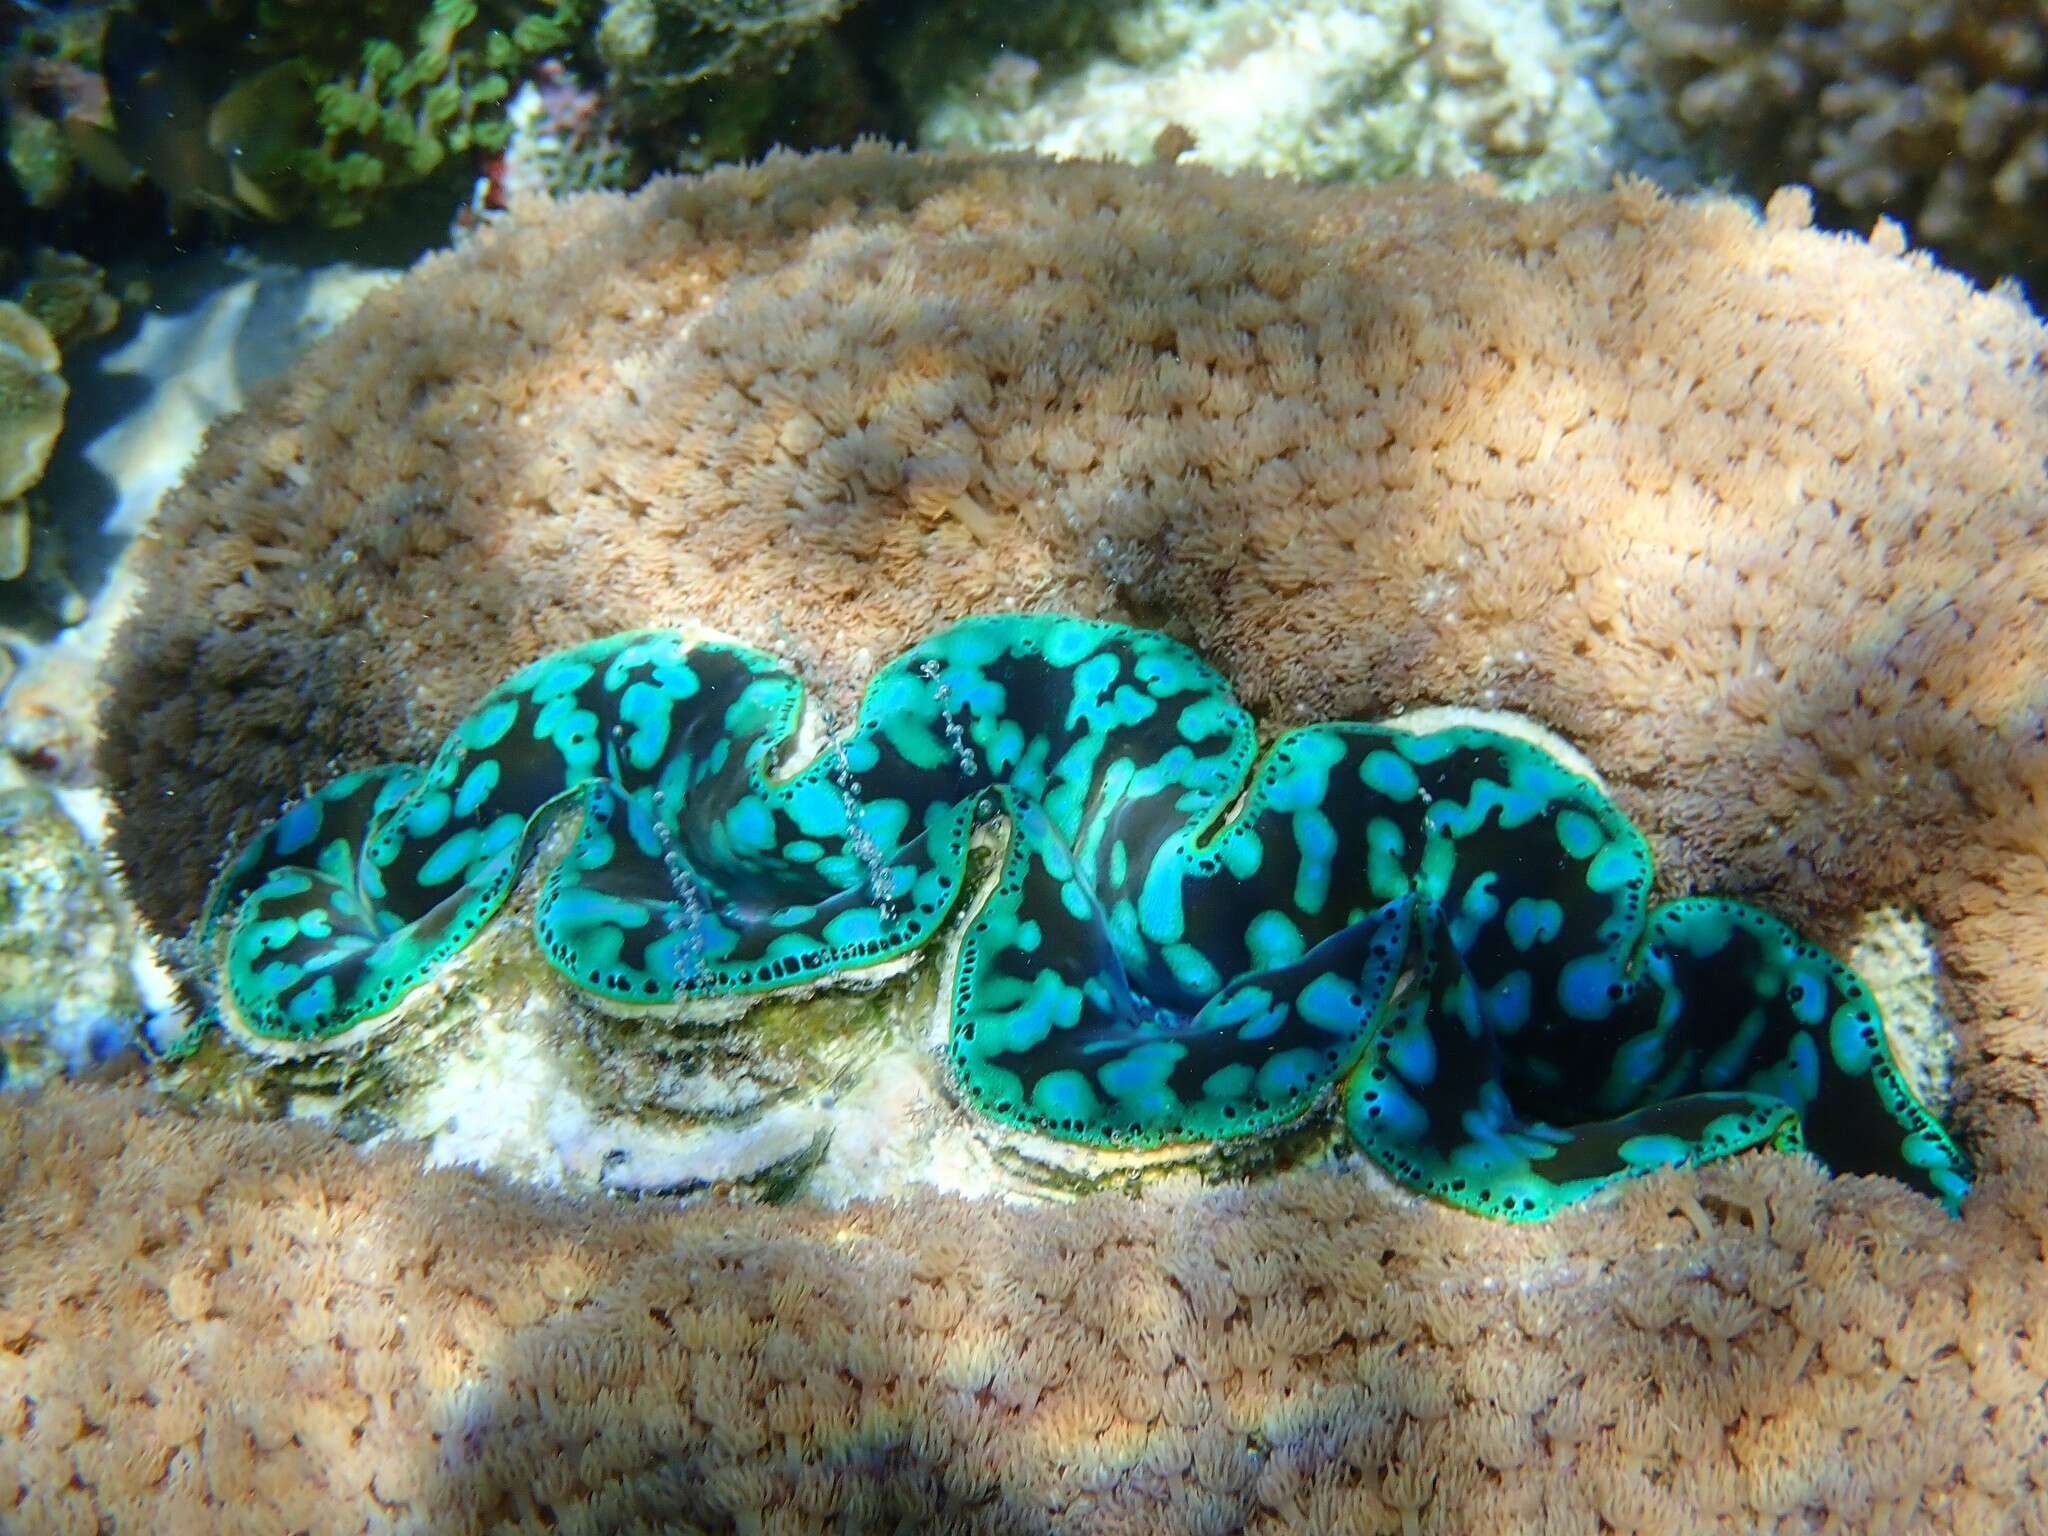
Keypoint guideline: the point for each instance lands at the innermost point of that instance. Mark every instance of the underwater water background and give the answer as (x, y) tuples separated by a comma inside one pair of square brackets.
[(896, 927)]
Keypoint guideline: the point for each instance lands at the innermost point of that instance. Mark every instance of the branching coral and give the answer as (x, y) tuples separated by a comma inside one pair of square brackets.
[(212, 1327), (1171, 951), (1928, 110)]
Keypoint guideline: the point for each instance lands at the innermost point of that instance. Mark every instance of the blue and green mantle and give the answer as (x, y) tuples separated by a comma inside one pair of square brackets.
[(1450, 932)]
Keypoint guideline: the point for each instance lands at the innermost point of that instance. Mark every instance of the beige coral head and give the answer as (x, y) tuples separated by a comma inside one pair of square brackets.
[(32, 396)]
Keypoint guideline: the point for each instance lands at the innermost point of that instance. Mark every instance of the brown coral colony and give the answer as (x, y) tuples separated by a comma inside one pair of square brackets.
[(1750, 514)]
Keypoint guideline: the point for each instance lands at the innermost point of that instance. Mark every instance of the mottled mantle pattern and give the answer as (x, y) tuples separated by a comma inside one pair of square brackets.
[(1154, 961)]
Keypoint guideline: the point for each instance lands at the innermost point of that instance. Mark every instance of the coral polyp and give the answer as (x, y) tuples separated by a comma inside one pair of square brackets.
[(1184, 941)]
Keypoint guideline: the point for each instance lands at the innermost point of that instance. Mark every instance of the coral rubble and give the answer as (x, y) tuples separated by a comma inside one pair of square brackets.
[(1525, 91), (68, 997)]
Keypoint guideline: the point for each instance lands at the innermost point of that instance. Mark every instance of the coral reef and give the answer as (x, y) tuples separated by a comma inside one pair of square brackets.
[(77, 979), (241, 110), (1743, 511), (1931, 112), (53, 93), (216, 328), (394, 88), (722, 65), (227, 1327), (930, 53), (1748, 513), (695, 83), (560, 141), (1751, 514), (32, 396), (78, 984), (68, 296), (655, 48), (247, 110), (61, 301), (1144, 968), (1324, 89)]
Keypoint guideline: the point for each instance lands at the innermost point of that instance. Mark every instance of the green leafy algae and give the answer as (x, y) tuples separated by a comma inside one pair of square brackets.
[(332, 107)]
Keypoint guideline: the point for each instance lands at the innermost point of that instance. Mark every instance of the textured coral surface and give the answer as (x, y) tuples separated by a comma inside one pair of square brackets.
[(215, 1327)]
